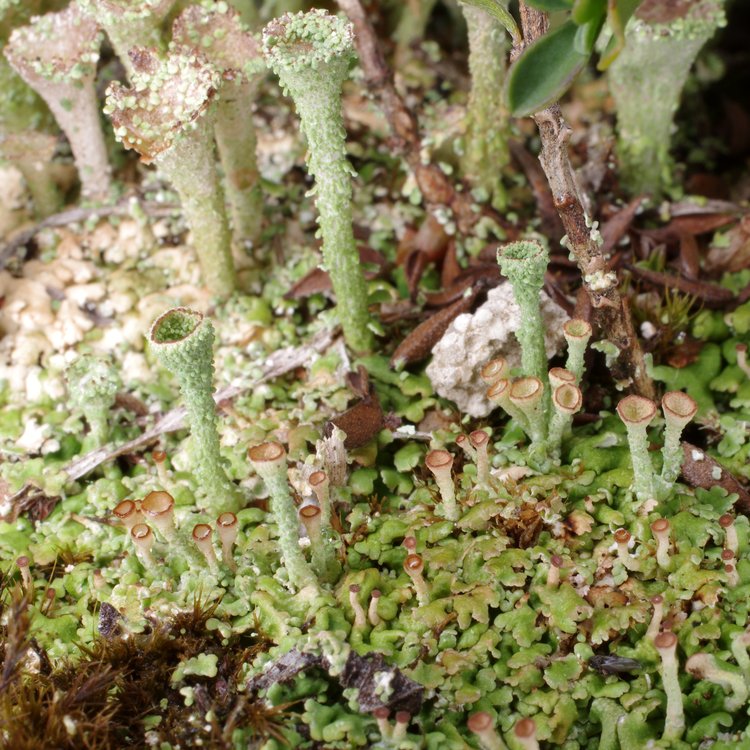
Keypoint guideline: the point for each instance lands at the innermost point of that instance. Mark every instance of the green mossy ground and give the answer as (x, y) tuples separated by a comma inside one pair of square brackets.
[(127, 655)]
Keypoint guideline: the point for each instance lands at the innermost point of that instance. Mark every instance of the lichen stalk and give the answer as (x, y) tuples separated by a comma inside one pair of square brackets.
[(29, 151), (143, 539), (311, 52), (182, 340), (128, 513), (227, 527), (739, 646), (679, 409), (167, 118), (525, 734), (360, 616), (660, 530), (706, 667), (577, 333), (646, 81), (23, 564), (479, 441), (731, 540), (567, 400), (384, 726), (495, 370), (323, 553), (218, 33), (628, 561), (129, 24), (486, 151), (414, 566), (269, 461), (440, 463), (93, 383), (527, 395), (483, 726), (674, 722), (654, 625), (158, 508), (372, 610), (499, 393), (57, 55), (202, 536), (637, 412), (524, 264)]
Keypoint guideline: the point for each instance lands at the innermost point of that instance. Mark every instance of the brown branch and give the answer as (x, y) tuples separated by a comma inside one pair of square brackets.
[(611, 313), (436, 187)]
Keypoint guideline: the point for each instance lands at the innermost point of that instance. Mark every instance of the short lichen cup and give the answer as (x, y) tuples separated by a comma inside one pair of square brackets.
[(218, 33), (527, 395), (577, 333), (679, 409), (57, 55), (567, 401), (182, 340), (269, 461), (311, 53), (524, 264), (167, 118), (637, 412)]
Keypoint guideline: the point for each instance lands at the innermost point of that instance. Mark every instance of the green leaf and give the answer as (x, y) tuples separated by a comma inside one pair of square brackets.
[(544, 71), (588, 10), (500, 13), (550, 5)]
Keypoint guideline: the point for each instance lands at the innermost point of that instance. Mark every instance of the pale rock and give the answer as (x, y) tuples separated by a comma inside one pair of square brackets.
[(472, 340)]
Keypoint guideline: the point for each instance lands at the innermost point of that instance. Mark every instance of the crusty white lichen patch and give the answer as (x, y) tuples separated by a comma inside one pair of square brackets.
[(473, 340)]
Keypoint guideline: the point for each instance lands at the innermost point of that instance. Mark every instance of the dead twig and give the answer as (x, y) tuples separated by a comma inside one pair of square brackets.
[(612, 314)]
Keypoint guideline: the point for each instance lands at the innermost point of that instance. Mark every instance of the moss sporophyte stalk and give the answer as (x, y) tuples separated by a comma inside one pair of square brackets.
[(311, 53)]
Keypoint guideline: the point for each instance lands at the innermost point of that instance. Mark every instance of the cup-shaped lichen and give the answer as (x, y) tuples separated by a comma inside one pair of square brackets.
[(440, 463), (527, 395), (31, 153), (166, 117), (56, 55), (567, 400), (679, 409), (93, 383), (674, 723), (218, 33), (637, 412), (269, 460), (182, 340), (129, 23), (577, 333), (486, 150), (646, 81), (524, 264), (311, 53)]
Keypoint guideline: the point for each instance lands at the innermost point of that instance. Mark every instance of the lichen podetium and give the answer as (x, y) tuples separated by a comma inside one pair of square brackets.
[(311, 53), (182, 340)]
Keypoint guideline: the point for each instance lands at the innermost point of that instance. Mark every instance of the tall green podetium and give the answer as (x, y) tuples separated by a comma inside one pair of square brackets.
[(646, 81), (167, 118), (182, 340), (311, 52), (486, 150), (524, 263)]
